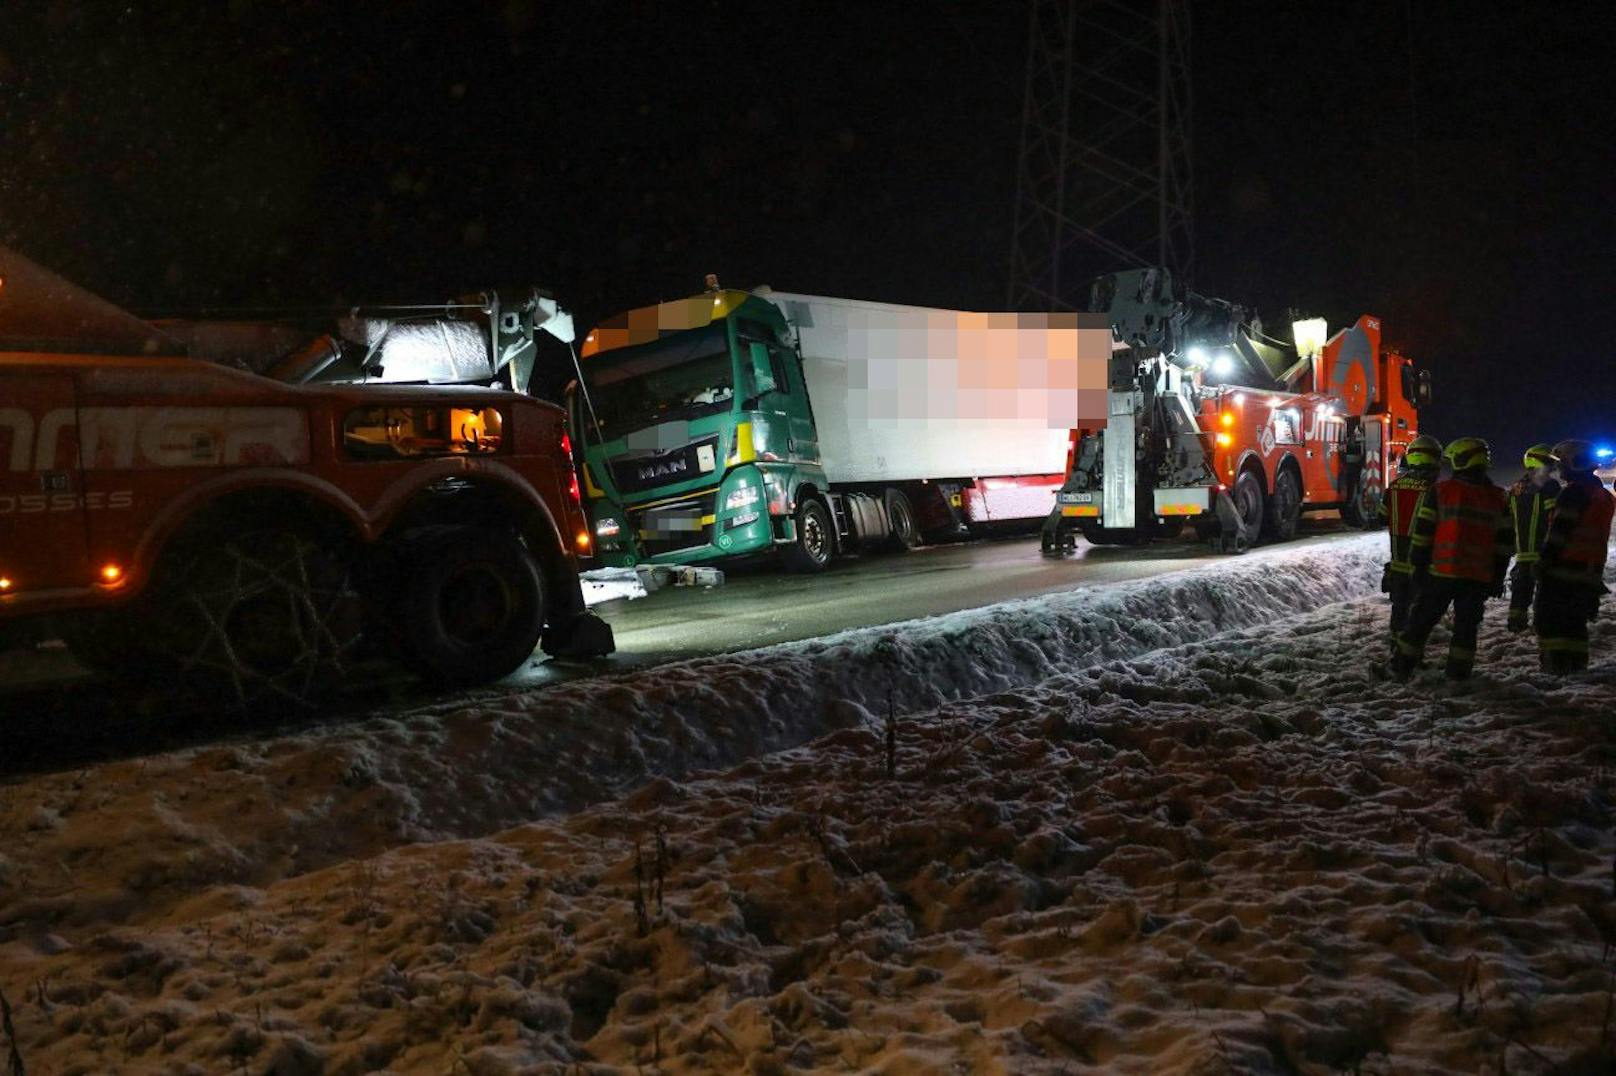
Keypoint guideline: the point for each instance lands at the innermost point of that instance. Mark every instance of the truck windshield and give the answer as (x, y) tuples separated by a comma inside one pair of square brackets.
[(678, 377)]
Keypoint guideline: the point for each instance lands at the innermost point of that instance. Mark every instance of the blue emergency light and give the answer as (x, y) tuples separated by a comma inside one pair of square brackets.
[(1605, 452)]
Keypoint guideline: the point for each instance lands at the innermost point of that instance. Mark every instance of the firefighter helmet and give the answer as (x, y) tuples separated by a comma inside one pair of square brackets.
[(1539, 456), (1467, 453), (1423, 451), (1575, 456)]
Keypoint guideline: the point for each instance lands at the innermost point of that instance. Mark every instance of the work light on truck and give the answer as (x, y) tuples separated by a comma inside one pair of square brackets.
[(607, 528), (740, 497)]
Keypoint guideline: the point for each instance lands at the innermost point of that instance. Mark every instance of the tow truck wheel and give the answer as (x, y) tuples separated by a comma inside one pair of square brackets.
[(264, 618), (812, 549), (905, 535), (1250, 501), (1285, 507), (474, 607), (1363, 510)]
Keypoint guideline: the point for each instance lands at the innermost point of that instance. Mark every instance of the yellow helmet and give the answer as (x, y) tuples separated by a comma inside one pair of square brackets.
[(1468, 453), (1423, 451), (1539, 456)]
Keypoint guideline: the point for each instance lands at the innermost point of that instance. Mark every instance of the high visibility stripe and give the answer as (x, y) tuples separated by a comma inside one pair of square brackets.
[(1402, 567), (1564, 646), (1528, 558)]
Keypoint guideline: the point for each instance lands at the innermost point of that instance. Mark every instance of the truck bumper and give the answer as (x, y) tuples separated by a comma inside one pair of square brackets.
[(723, 542)]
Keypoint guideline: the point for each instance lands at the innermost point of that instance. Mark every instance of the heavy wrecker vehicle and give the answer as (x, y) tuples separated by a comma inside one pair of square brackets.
[(1211, 423), (252, 507)]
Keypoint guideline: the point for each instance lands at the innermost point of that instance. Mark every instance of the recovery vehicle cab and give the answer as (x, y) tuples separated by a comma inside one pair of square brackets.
[(1210, 423), (254, 507)]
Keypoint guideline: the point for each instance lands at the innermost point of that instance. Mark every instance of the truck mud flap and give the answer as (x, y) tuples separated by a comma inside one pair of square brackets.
[(583, 636), (1233, 535)]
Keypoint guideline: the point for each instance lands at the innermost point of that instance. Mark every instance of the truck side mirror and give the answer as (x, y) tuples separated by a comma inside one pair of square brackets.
[(1423, 389), (762, 371)]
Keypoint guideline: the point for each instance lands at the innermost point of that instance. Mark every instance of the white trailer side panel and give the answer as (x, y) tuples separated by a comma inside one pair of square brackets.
[(903, 392)]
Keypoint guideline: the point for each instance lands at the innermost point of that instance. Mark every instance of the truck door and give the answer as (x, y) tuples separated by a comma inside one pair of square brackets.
[(42, 525), (799, 409)]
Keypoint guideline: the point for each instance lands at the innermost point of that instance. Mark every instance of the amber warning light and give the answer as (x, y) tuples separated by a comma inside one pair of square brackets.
[(5, 583), (111, 574)]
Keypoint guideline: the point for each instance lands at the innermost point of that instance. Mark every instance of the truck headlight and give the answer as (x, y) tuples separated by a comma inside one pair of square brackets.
[(740, 497), (606, 528)]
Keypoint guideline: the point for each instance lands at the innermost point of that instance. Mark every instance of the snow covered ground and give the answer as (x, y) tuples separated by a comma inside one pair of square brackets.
[(1173, 826)]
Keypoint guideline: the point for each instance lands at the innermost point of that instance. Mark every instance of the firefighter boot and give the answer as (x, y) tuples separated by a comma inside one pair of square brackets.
[(1518, 619), (1459, 666)]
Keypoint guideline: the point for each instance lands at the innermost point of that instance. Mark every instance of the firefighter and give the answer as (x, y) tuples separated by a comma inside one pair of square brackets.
[(1422, 462), (1571, 569), (1460, 550), (1530, 499)]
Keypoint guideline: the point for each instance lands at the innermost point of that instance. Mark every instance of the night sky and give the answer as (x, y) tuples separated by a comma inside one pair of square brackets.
[(1445, 165)]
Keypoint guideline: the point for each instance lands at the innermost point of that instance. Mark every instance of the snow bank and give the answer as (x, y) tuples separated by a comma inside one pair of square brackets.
[(123, 839), (1241, 854)]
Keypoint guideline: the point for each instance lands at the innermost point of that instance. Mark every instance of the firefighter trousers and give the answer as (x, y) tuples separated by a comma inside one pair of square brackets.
[(1432, 597), (1522, 586), (1562, 612), (1401, 588)]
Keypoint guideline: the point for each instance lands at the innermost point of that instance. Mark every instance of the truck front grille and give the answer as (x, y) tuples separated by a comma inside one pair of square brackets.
[(649, 470), (681, 524)]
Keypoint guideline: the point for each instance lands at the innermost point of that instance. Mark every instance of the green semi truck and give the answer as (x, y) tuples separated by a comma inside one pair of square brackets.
[(746, 423)]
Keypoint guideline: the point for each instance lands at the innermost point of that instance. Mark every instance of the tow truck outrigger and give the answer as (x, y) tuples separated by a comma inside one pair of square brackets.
[(1211, 423)]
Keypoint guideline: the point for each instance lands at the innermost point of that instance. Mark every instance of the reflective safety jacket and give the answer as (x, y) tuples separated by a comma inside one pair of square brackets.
[(1462, 530), (1529, 505), (1397, 508), (1579, 532)]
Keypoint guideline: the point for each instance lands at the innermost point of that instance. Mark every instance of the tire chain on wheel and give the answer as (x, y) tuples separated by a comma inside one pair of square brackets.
[(317, 609)]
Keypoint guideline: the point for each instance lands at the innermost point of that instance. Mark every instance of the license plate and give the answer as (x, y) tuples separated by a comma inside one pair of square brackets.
[(1077, 498)]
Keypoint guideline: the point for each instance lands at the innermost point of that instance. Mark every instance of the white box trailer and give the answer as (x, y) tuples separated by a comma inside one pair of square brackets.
[(904, 393)]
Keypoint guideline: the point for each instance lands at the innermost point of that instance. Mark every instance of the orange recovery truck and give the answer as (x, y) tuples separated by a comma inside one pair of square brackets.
[(1212, 424), (255, 530)]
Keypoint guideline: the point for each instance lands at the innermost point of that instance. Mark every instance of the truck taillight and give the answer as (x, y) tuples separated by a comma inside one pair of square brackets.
[(1071, 450), (572, 487), (566, 444)]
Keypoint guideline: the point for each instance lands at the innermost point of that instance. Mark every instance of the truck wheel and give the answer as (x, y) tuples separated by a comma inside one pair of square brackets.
[(1250, 501), (474, 607), (905, 534), (1285, 507), (265, 618), (1363, 509), (812, 549)]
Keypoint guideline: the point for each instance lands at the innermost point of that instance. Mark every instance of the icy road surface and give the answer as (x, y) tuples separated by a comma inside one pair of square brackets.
[(756, 607)]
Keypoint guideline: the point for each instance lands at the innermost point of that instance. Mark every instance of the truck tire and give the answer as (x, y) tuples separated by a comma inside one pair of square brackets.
[(1362, 509), (815, 535), (1284, 507), (1250, 501), (473, 610), (905, 533), (262, 619)]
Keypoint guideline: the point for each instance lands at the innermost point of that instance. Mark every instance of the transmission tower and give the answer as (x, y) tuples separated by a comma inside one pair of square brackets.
[(1104, 178)]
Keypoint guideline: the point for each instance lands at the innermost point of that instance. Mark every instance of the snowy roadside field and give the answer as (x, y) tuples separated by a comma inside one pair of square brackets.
[(1239, 854), (120, 841)]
